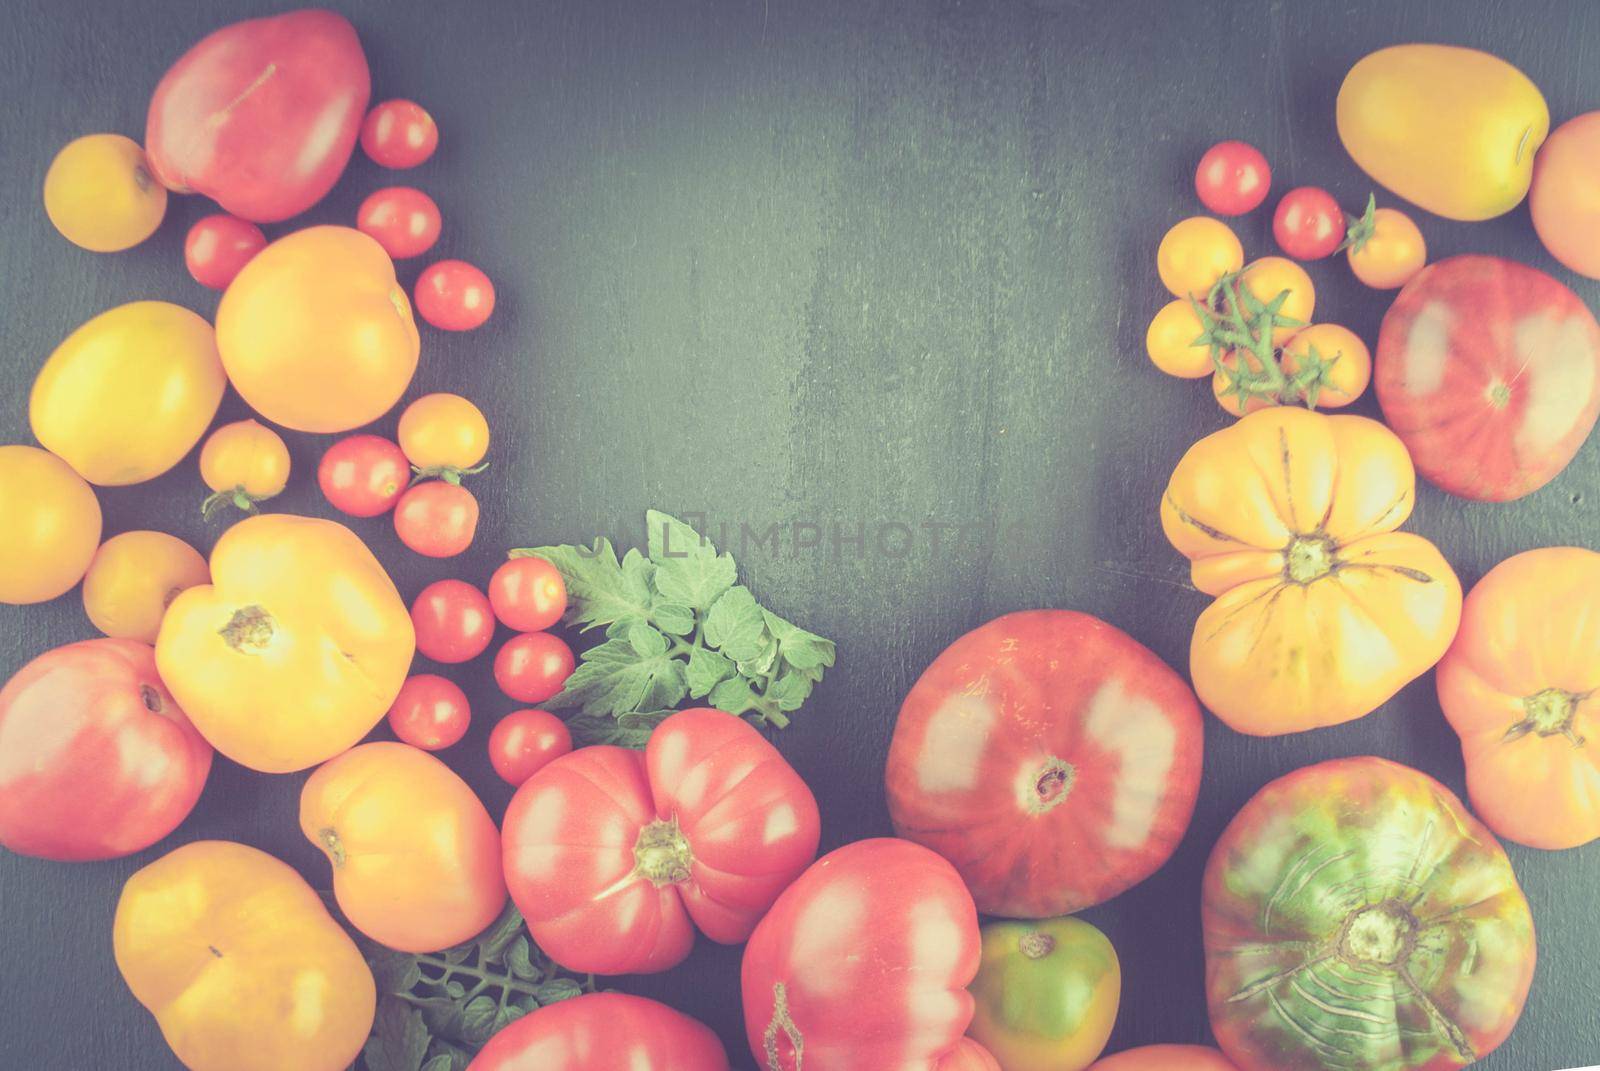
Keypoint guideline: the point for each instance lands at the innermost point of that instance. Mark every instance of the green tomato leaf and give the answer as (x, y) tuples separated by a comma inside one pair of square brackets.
[(734, 696), (706, 667), (789, 690), (688, 568), (600, 589), (614, 678), (558, 989), (478, 1019), (493, 942), (394, 972), (399, 1038), (441, 1062), (735, 625), (603, 729), (760, 665), (673, 618), (801, 649), (647, 641), (519, 962)]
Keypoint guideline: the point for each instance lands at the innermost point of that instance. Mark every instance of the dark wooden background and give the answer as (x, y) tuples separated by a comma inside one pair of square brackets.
[(853, 264)]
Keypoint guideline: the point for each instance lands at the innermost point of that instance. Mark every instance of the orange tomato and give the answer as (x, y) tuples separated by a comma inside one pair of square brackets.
[(1170, 341), (1267, 278), (134, 577), (1166, 1058), (1565, 199), (1348, 359), (1521, 686), (243, 463), (416, 858), (1195, 253), (1386, 248), (51, 525), (1221, 385), (443, 434)]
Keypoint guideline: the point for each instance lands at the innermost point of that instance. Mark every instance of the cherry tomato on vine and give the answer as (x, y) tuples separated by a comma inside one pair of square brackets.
[(363, 475), (444, 435), (243, 463), (1385, 247), (436, 518), (1195, 253), (532, 667), (1309, 224), (528, 594), (405, 221), (430, 712), (1222, 385), (452, 295), (1233, 178), (217, 246), (399, 134), (453, 621), (1268, 277), (1170, 341), (524, 741), (1348, 361)]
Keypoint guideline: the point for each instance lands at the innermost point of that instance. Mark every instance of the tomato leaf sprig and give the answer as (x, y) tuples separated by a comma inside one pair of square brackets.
[(1238, 327), (677, 624)]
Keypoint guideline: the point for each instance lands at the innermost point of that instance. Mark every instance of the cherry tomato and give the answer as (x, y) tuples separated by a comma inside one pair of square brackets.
[(1385, 247), (399, 134), (243, 463), (1348, 361), (1170, 341), (528, 594), (1268, 277), (1195, 253), (430, 712), (436, 518), (1233, 178), (363, 475), (218, 246), (1309, 224), (532, 667), (453, 621), (405, 221), (524, 741), (1222, 383), (444, 435), (452, 295)]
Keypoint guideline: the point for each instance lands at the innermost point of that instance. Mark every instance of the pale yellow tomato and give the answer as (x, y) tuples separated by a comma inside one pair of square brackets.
[(100, 194), (243, 463), (1195, 253), (443, 433), (1267, 278), (133, 579), (49, 525), (1170, 341)]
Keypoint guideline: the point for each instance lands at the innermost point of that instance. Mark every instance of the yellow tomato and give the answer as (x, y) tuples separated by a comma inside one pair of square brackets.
[(295, 649), (1451, 129), (243, 463), (133, 579), (129, 393), (443, 433), (315, 332), (1345, 358), (49, 525), (1223, 391), (241, 964), (1195, 253), (1046, 994), (1386, 248), (1170, 341), (1268, 277), (100, 194)]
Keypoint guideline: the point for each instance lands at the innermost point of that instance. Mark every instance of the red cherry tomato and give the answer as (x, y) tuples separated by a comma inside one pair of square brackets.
[(363, 475), (532, 667), (399, 134), (405, 221), (1309, 224), (524, 741), (528, 594), (219, 245), (430, 712), (437, 519), (453, 621), (452, 295), (1233, 178)]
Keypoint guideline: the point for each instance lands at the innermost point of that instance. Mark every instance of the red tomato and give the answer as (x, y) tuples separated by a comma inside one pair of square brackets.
[(218, 246), (532, 667), (1051, 757), (453, 620), (603, 1032), (436, 518), (454, 296), (1309, 224), (864, 963), (524, 742), (363, 475), (261, 116), (528, 594), (403, 220), (1489, 371), (96, 758), (430, 712), (615, 856), (1233, 178), (1166, 1058), (399, 134)]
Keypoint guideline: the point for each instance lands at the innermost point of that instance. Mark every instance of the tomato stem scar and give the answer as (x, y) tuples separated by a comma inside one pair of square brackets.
[(662, 853), (783, 1022), (249, 629), (1036, 945)]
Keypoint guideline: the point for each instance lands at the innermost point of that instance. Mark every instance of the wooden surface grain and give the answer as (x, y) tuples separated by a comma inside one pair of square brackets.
[(847, 268)]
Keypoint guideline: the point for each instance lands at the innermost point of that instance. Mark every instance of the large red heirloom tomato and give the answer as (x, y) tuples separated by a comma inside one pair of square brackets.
[(1489, 371), (615, 856), (603, 1032), (261, 116), (1051, 757), (1356, 916), (96, 758)]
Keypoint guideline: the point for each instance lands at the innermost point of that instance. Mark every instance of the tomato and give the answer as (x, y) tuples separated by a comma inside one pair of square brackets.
[(134, 577), (1489, 371), (129, 393), (218, 246), (51, 529), (1228, 395), (1047, 994), (1521, 686), (416, 858), (603, 1032), (525, 742), (528, 594), (96, 758), (533, 666), (454, 296), (1451, 129), (405, 221), (243, 463), (1171, 341), (1195, 253), (431, 712), (399, 134), (1035, 741), (1565, 199), (261, 116), (1309, 224), (436, 518), (616, 856), (1385, 248), (863, 963), (1269, 278), (1232, 179), (444, 435), (315, 333), (453, 620), (240, 963), (1323, 610), (363, 475), (1346, 362), (1166, 1058), (295, 649), (1355, 915), (100, 194)]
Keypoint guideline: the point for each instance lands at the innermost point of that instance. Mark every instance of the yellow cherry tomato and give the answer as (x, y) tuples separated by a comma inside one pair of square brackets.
[(49, 525), (243, 463), (129, 393), (1385, 248), (1268, 277), (1346, 360), (133, 579), (241, 964), (1222, 385), (1170, 341), (1195, 253), (100, 194), (443, 434)]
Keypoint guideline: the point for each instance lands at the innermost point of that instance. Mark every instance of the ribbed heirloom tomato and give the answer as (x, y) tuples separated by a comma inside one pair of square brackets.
[(603, 1032)]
